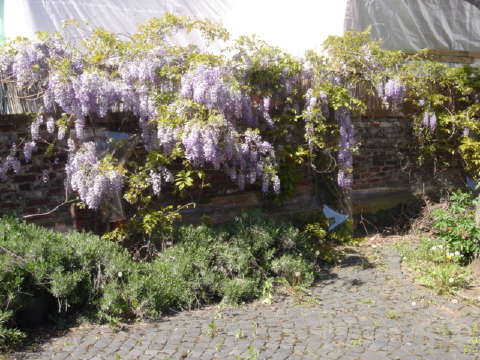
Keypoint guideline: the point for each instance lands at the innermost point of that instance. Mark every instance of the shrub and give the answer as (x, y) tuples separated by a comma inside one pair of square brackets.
[(237, 291), (295, 270), (455, 225), (51, 272), (75, 273), (9, 337)]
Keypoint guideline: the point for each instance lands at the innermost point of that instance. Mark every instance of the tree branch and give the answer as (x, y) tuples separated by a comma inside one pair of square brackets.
[(26, 217), (13, 255)]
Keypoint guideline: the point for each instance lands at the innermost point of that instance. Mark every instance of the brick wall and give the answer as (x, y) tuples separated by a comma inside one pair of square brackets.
[(382, 177), (384, 152), (39, 186)]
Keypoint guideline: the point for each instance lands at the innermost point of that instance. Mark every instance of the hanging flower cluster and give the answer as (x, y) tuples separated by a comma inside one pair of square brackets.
[(159, 177), (429, 120), (242, 154), (316, 109), (395, 91), (346, 144), (208, 86), (11, 162), (88, 177), (392, 92)]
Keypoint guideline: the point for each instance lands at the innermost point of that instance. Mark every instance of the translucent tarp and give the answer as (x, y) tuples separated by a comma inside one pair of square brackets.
[(419, 24), (295, 26)]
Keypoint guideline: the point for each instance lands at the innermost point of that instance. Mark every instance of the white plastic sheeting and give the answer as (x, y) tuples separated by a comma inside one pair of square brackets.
[(418, 24), (25, 17), (295, 26)]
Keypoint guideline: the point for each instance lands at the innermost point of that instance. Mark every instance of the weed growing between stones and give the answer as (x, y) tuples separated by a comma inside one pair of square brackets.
[(474, 346), (392, 315), (433, 266)]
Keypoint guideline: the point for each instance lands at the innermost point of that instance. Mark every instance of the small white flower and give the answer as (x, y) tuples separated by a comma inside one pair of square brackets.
[(433, 248), (414, 303), (297, 274), (317, 253), (451, 280), (440, 246), (457, 253), (120, 274), (454, 301)]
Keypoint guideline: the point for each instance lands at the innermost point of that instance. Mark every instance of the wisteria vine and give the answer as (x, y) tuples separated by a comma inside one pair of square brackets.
[(232, 113)]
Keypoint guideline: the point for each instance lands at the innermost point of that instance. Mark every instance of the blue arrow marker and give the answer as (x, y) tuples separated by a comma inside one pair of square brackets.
[(117, 136), (472, 185), (332, 214)]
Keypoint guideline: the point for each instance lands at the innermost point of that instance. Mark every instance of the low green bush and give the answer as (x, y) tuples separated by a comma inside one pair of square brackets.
[(294, 269), (68, 274), (455, 226), (43, 273)]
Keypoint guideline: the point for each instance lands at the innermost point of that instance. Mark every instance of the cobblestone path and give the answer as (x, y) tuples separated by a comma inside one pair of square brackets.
[(364, 309)]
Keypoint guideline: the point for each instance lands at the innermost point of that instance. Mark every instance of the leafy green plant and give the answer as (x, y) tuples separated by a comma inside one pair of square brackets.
[(434, 266), (238, 291), (9, 337), (297, 271), (212, 328), (455, 226)]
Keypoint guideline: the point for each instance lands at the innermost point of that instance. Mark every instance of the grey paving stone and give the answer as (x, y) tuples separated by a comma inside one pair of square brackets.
[(364, 314)]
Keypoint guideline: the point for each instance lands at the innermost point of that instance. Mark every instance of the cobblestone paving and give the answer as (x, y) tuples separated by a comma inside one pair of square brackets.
[(357, 311)]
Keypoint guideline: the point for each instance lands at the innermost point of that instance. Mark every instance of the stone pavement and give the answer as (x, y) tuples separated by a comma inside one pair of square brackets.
[(364, 309)]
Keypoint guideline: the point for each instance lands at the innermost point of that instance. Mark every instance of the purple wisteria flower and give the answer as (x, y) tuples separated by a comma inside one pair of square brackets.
[(30, 63), (394, 91), (244, 157), (227, 140), (160, 177), (10, 163), (50, 125), (208, 86), (86, 176), (45, 176), (142, 70), (346, 143), (62, 132), (429, 120), (28, 149), (35, 128)]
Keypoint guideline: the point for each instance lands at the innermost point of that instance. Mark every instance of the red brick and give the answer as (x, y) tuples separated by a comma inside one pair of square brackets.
[(24, 178), (35, 202)]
